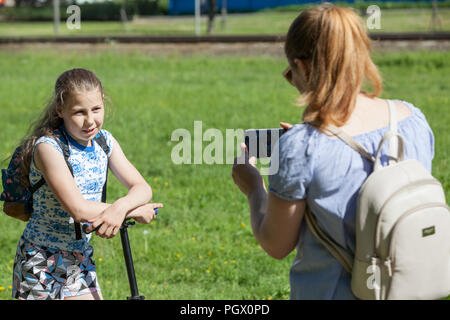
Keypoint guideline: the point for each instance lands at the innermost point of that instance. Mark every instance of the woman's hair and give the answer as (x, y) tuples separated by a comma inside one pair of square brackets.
[(335, 45), (68, 83)]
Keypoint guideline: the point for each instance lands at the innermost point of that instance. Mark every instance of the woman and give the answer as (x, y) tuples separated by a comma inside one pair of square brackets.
[(328, 52)]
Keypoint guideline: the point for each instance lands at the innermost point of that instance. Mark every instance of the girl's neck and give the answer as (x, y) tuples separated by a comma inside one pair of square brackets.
[(82, 143)]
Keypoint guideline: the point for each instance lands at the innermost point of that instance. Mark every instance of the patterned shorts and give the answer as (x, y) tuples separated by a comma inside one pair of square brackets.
[(42, 273)]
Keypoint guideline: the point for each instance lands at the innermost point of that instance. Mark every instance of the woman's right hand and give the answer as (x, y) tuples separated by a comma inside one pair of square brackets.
[(285, 125)]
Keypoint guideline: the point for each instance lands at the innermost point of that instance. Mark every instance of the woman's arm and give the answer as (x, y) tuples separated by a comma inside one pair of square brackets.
[(275, 222)]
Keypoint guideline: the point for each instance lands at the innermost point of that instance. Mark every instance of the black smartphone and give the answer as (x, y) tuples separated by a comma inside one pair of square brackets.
[(259, 142)]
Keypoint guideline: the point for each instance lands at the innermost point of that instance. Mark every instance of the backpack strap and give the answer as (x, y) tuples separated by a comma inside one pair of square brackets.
[(101, 140), (37, 185), (400, 149), (336, 250), (393, 143), (64, 145), (355, 145)]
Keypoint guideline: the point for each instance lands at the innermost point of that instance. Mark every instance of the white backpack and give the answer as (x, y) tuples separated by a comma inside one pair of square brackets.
[(402, 228)]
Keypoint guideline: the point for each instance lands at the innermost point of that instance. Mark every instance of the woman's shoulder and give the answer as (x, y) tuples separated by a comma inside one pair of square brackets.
[(297, 134), (415, 122), (300, 143), (408, 110)]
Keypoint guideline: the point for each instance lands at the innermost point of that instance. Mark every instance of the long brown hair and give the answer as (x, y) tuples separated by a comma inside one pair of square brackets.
[(69, 82), (335, 44)]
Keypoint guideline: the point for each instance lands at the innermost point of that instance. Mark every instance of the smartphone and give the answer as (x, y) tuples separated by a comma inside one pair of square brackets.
[(259, 142)]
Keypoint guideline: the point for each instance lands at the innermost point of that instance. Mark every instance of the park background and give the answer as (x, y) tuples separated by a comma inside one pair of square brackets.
[(201, 245)]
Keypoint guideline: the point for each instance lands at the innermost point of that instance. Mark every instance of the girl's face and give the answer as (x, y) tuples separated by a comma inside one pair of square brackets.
[(83, 115)]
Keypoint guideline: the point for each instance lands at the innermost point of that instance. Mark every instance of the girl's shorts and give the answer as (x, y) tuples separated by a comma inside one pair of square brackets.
[(46, 273)]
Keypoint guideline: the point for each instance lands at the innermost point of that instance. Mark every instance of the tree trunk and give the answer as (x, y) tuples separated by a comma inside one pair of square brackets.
[(212, 4)]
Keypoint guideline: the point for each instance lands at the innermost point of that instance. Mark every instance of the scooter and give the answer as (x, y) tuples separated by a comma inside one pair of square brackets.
[(128, 257)]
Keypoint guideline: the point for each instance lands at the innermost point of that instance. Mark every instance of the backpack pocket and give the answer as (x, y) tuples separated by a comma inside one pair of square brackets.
[(16, 210), (418, 266)]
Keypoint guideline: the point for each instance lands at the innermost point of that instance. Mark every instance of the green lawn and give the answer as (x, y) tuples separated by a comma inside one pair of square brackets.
[(265, 22), (201, 246)]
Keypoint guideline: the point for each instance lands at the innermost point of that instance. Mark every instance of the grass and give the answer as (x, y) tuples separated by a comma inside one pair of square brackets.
[(264, 22), (201, 246)]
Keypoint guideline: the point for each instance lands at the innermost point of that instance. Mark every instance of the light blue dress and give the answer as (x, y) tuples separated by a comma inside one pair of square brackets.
[(328, 174)]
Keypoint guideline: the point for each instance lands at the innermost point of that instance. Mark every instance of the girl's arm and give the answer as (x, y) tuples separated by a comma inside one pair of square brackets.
[(139, 193), (53, 167)]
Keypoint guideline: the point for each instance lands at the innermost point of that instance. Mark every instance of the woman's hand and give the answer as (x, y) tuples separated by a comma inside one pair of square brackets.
[(285, 125), (245, 174), (144, 214)]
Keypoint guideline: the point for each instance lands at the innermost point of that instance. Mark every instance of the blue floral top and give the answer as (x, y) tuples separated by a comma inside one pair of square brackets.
[(329, 174), (50, 225)]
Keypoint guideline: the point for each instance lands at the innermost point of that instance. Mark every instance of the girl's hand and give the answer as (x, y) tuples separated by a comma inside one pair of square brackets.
[(245, 174), (110, 221), (144, 214)]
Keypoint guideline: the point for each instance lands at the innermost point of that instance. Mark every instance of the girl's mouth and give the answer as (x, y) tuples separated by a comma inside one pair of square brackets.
[(91, 131)]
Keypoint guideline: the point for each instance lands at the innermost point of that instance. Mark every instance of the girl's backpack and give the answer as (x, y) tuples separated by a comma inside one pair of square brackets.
[(402, 228), (18, 199)]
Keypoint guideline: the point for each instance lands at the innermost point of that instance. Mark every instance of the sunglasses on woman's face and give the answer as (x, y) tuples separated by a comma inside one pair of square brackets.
[(287, 74)]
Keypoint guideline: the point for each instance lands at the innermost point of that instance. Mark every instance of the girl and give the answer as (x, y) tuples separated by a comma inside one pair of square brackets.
[(51, 263), (328, 53)]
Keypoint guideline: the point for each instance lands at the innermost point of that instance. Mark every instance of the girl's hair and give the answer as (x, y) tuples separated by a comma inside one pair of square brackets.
[(68, 83), (335, 44)]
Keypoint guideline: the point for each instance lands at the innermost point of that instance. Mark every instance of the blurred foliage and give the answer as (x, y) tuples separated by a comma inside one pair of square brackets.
[(42, 10), (363, 4), (97, 11)]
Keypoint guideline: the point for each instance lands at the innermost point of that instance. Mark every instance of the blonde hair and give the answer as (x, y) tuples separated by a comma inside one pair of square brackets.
[(69, 82), (333, 41)]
